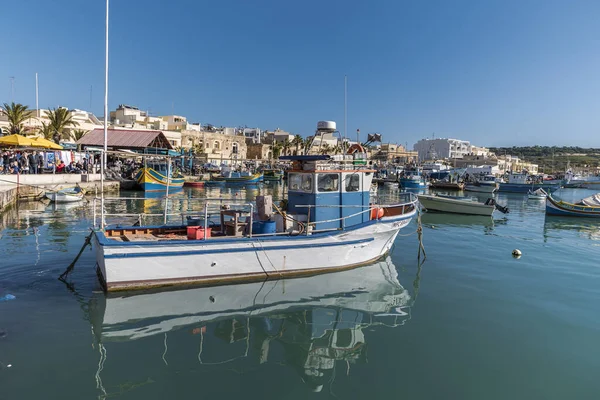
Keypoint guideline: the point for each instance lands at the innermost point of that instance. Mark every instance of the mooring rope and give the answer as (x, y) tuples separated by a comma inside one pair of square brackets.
[(88, 241)]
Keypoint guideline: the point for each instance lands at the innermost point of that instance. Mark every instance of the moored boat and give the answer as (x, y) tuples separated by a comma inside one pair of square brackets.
[(556, 206), (328, 206), (539, 194), (447, 185), (67, 195), (273, 175), (233, 177), (158, 178), (412, 179), (522, 183), (459, 205), (483, 184)]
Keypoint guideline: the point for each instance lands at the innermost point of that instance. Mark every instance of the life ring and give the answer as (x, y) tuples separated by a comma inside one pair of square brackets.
[(356, 148), (377, 213)]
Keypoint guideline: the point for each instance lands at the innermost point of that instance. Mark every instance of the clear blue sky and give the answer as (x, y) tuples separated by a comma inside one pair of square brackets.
[(492, 72)]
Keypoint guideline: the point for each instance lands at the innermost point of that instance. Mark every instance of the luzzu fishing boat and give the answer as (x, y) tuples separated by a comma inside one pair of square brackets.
[(239, 178), (154, 178), (588, 207), (329, 224), (273, 175)]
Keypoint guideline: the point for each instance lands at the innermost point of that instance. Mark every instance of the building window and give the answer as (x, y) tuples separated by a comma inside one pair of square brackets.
[(234, 148), (217, 145), (328, 182)]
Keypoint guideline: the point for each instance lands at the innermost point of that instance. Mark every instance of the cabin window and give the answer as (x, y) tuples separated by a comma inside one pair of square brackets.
[(352, 183), (300, 182), (328, 182)]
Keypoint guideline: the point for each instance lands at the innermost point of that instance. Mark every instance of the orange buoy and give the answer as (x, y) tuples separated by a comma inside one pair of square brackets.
[(377, 213)]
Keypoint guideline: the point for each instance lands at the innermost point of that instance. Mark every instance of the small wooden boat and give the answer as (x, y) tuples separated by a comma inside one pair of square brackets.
[(155, 179), (539, 194), (581, 209), (459, 205), (67, 195)]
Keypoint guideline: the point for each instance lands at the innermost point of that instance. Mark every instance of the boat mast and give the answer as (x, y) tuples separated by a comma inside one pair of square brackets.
[(103, 164), (345, 112)]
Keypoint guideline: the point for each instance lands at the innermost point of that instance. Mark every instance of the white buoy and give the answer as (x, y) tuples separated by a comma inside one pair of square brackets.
[(516, 253)]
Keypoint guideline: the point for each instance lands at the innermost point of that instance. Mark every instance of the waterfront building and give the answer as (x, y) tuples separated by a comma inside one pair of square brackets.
[(218, 146), (394, 153), (443, 148), (179, 123), (254, 134), (508, 162)]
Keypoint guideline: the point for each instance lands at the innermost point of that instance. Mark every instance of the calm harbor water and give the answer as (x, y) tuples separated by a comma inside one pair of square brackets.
[(471, 322)]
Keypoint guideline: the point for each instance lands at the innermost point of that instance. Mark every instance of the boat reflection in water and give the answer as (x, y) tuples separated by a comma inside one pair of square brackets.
[(306, 323), (458, 220), (587, 228)]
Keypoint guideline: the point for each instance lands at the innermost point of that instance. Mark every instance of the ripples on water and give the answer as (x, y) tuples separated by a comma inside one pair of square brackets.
[(471, 323)]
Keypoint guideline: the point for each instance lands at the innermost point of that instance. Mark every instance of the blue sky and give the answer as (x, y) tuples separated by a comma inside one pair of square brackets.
[(492, 72)]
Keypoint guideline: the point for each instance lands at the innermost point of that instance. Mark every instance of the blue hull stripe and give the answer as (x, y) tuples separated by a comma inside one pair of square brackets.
[(234, 250)]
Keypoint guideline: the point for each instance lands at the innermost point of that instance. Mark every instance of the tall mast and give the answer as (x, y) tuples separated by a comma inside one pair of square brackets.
[(37, 105), (103, 164), (345, 108)]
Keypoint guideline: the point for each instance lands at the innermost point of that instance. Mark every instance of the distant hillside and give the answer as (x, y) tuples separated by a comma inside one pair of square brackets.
[(554, 159)]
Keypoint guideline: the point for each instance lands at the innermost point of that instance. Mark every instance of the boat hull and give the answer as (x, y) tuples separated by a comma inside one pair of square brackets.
[(526, 187), (481, 187), (243, 180), (152, 181), (133, 265), (410, 184), (58, 197), (193, 184), (441, 204), (556, 207)]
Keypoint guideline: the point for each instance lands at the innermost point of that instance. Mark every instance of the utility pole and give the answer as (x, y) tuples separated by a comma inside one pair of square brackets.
[(37, 104)]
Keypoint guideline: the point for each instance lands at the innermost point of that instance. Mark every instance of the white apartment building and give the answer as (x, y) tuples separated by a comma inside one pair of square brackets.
[(179, 123), (442, 148)]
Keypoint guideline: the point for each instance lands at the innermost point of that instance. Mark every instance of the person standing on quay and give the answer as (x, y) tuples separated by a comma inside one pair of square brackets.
[(33, 163)]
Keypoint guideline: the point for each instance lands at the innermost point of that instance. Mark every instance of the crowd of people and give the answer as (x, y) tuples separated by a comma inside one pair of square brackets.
[(35, 162)]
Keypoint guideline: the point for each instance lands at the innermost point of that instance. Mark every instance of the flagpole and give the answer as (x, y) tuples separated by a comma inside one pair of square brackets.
[(37, 105)]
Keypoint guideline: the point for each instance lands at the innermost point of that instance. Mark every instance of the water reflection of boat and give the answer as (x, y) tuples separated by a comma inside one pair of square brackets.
[(587, 228), (440, 219), (316, 321)]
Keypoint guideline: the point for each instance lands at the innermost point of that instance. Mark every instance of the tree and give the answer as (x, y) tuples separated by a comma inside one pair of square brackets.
[(287, 143), (298, 141), (276, 147), (16, 114), (60, 119), (326, 148), (78, 134)]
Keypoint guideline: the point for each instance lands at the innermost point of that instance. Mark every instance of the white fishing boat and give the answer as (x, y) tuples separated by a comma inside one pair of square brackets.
[(459, 205), (68, 195), (483, 184), (539, 194), (329, 224)]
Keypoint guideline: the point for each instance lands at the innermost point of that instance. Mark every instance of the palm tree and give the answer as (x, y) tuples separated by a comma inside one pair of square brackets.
[(287, 143), (326, 148), (16, 114), (60, 119), (78, 134), (46, 131), (276, 147), (298, 141)]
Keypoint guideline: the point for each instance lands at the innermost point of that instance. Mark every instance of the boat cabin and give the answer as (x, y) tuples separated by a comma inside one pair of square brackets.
[(334, 191)]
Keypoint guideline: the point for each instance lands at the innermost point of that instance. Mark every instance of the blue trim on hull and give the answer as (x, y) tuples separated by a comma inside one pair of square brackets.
[(525, 188)]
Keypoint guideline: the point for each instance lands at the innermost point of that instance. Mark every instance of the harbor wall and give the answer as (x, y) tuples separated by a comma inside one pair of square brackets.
[(14, 188)]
